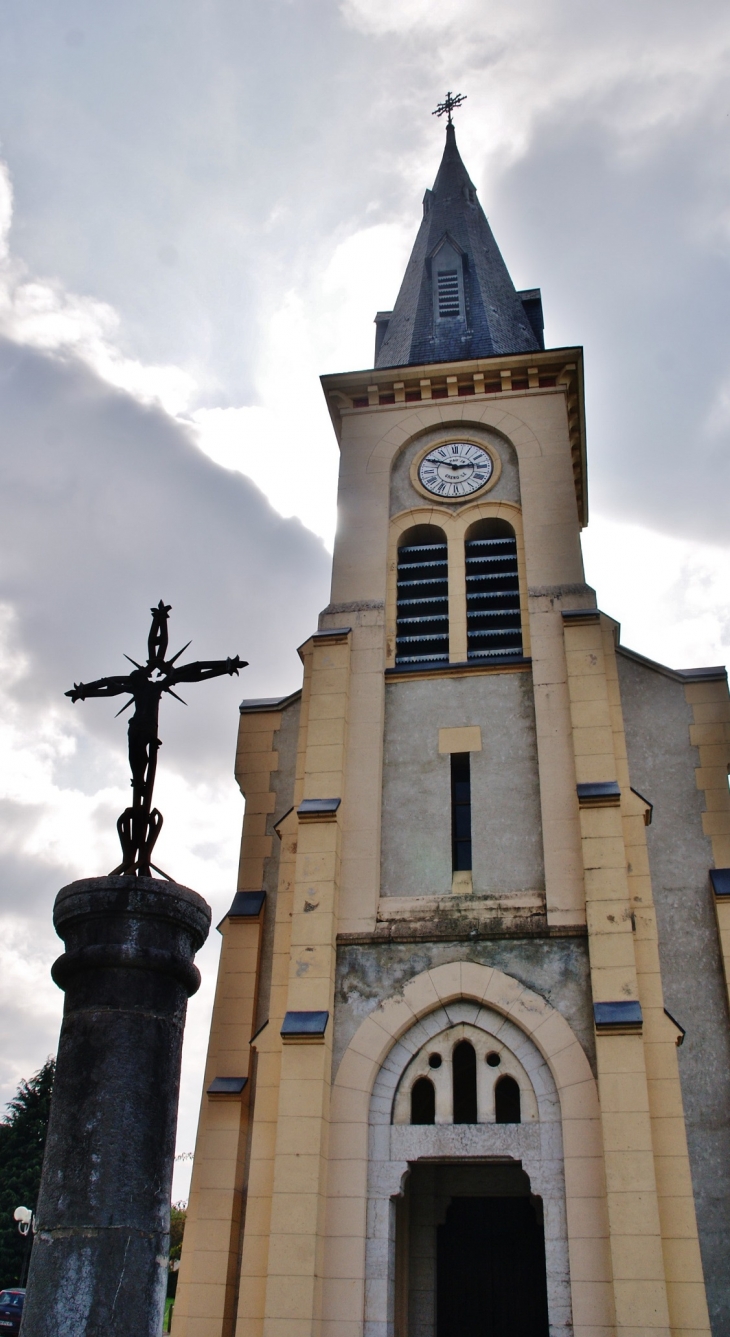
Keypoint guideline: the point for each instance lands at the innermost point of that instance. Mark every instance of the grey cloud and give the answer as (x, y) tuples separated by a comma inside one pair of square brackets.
[(28, 884), (640, 277), (106, 507)]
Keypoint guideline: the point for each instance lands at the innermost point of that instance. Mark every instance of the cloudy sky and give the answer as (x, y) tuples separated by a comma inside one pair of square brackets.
[(202, 205)]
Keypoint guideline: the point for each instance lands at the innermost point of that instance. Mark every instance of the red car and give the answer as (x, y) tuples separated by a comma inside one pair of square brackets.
[(11, 1309)]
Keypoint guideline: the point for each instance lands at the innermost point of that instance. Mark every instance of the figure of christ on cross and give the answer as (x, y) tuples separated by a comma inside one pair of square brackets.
[(139, 826)]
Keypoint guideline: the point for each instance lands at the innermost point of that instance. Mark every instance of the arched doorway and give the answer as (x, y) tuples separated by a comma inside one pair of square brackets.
[(470, 1260), (465, 1203)]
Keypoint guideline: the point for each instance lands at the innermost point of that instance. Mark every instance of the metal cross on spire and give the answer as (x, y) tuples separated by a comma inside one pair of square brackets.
[(139, 826), (446, 107)]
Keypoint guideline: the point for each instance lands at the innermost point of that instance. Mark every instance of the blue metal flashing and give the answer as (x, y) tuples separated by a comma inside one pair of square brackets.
[(597, 793), (227, 1086), (257, 704), (715, 673), (318, 807), (246, 905), (621, 1015), (720, 879), (648, 815), (304, 1025), (580, 614)]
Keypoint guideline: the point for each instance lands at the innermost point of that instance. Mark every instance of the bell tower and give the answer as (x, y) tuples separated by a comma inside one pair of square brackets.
[(444, 1088)]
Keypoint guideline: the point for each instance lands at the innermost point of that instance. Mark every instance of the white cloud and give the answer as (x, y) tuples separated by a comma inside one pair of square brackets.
[(285, 443), (671, 595), (641, 69), (41, 313)]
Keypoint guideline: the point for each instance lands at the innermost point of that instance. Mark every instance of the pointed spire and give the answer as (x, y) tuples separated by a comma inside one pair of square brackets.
[(457, 300)]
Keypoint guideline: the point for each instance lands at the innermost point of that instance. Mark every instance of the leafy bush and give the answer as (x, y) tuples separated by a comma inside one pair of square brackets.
[(22, 1140)]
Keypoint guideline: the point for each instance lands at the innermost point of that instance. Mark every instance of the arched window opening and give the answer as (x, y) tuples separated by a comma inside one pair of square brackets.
[(493, 623), (507, 1101), (423, 1101), (422, 613), (464, 1064), (447, 268)]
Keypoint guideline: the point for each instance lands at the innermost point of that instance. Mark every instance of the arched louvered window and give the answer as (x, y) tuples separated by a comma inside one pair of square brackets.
[(447, 268), (423, 1101), (507, 1101), (422, 622), (493, 623), (464, 1068)]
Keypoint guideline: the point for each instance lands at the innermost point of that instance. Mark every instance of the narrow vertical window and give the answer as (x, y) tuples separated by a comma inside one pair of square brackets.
[(507, 1101), (464, 1067), (423, 1101), (493, 622), (460, 811), (422, 621)]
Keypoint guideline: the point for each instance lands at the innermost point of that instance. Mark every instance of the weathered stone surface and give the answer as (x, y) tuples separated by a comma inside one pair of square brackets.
[(557, 968), (99, 1262), (505, 797), (662, 760)]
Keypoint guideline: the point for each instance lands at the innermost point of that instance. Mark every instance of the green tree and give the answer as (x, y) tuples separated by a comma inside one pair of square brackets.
[(22, 1140), (178, 1217)]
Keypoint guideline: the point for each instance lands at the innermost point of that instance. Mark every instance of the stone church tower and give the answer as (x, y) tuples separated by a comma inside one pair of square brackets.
[(484, 891)]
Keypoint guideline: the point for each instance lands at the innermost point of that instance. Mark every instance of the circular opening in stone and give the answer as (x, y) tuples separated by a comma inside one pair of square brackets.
[(493, 1060), (434, 1060)]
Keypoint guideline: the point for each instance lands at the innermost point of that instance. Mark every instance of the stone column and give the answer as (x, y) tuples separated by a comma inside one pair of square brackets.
[(99, 1262)]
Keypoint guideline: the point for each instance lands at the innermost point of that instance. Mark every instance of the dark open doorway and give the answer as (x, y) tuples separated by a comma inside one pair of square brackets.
[(490, 1269), (470, 1252)]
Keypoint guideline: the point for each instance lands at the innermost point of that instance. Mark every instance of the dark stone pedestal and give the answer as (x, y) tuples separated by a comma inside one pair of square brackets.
[(99, 1262)]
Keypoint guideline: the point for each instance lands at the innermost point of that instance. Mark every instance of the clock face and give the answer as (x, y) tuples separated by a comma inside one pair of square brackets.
[(455, 470)]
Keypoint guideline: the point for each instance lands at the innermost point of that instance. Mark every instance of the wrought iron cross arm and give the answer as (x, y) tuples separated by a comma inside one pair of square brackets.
[(200, 669), (102, 687), (449, 104)]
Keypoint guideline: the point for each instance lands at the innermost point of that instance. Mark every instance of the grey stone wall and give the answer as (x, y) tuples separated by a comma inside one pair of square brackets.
[(416, 827), (403, 495), (557, 968), (282, 782), (662, 762)]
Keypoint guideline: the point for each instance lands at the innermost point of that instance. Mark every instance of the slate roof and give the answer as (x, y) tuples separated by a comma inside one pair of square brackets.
[(497, 319)]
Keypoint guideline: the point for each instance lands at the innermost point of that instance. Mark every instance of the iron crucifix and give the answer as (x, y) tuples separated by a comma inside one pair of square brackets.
[(139, 826)]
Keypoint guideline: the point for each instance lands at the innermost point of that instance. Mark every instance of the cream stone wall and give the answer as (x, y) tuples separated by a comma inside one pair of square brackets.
[(657, 1271), (208, 1278), (305, 1189)]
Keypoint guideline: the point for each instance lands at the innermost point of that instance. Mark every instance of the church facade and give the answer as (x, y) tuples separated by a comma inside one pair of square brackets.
[(469, 1063)]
